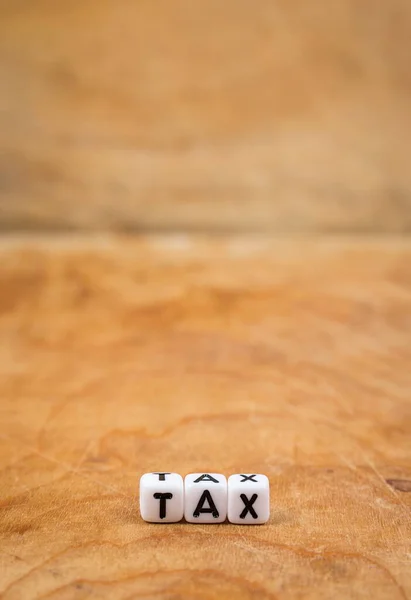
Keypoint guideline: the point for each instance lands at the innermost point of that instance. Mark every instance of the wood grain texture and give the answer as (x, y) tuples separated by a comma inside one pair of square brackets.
[(172, 114), (120, 357)]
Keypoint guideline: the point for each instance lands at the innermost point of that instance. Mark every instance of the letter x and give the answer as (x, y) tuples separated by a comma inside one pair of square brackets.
[(248, 478), (248, 506)]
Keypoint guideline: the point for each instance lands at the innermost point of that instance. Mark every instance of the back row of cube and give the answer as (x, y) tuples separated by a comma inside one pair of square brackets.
[(205, 498)]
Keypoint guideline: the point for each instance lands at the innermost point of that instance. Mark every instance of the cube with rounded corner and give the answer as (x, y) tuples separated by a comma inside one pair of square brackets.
[(205, 498), (161, 497), (248, 499)]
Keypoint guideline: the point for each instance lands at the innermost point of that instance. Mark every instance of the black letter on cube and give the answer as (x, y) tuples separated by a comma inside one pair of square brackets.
[(248, 478), (206, 496), (163, 500), (206, 477), (161, 476), (248, 506)]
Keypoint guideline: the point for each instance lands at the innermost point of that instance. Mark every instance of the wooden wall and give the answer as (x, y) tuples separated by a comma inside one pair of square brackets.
[(216, 115)]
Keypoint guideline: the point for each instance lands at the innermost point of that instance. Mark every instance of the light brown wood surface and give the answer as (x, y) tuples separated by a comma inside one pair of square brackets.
[(290, 358), (225, 115)]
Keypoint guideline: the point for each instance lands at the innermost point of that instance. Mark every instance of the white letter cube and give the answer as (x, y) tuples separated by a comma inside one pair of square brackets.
[(205, 498), (248, 499), (161, 497)]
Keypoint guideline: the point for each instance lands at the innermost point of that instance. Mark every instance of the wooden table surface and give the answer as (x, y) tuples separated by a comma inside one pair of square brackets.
[(288, 357)]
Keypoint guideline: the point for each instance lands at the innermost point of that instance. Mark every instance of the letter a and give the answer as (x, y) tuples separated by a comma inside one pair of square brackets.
[(206, 477), (206, 497)]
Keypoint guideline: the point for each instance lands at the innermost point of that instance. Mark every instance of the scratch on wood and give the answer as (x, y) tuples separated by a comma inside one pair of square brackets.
[(401, 485)]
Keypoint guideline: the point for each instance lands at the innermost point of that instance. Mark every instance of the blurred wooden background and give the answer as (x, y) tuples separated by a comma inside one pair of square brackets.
[(179, 115)]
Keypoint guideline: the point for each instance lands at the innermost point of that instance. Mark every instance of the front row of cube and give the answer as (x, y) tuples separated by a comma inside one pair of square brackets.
[(205, 498)]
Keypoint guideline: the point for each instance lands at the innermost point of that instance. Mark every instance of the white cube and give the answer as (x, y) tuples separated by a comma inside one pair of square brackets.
[(248, 499), (161, 497), (205, 498)]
